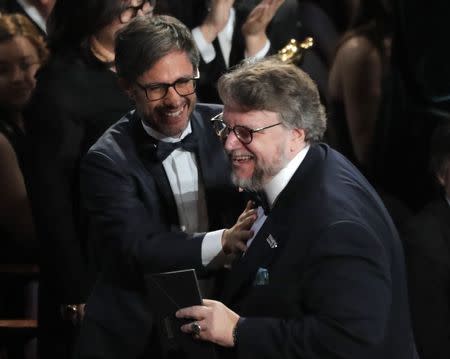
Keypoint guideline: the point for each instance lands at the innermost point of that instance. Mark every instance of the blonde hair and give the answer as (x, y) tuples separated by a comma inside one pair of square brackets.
[(18, 25)]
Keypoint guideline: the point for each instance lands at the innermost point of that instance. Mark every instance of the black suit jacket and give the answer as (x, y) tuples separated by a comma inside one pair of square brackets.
[(427, 250), (335, 282), (136, 230)]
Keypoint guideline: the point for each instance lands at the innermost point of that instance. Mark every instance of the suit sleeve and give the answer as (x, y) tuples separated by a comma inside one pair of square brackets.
[(345, 302), (127, 231)]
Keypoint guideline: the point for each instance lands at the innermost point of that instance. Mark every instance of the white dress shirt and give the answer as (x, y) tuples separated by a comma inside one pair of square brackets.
[(34, 14), (189, 193), (275, 186), (225, 38)]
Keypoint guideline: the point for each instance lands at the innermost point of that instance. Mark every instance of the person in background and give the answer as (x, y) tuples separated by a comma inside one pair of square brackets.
[(427, 248), (356, 80), (157, 188), (324, 275), (77, 98), (37, 11), (22, 52), (225, 31)]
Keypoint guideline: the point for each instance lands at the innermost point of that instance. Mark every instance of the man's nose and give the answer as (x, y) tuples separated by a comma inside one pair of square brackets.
[(172, 95), (232, 142)]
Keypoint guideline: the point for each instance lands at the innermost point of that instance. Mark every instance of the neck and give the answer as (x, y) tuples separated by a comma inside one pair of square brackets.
[(102, 51)]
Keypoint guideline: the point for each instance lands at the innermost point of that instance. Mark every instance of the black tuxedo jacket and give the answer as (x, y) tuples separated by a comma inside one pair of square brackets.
[(427, 250), (324, 277), (135, 229)]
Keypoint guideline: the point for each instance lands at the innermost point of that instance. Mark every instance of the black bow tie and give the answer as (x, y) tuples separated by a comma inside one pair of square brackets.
[(260, 200), (164, 149)]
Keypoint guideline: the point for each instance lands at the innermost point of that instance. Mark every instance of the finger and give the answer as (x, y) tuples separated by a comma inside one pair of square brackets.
[(246, 223), (251, 214), (209, 302), (194, 312), (242, 247)]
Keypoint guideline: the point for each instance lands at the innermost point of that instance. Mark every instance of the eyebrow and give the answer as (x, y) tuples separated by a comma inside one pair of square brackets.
[(188, 77)]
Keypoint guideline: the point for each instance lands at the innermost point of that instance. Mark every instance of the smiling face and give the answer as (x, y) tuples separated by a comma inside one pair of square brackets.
[(255, 164), (19, 62), (169, 115)]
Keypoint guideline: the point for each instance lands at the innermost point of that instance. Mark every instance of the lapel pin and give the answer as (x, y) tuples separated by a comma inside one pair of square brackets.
[(271, 241)]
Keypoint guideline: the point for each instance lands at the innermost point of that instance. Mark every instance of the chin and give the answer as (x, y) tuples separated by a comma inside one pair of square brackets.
[(247, 183)]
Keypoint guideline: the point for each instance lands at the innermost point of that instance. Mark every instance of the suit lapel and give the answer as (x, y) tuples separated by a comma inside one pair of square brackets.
[(263, 251), (146, 146), (213, 169), (259, 255)]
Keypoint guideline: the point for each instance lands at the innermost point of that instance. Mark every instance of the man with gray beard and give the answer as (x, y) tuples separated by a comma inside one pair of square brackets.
[(324, 275)]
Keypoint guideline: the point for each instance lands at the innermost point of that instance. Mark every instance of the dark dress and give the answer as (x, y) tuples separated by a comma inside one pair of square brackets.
[(76, 99), (10, 250), (427, 251)]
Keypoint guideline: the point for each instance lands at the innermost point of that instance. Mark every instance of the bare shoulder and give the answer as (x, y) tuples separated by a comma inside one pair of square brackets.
[(358, 51), (7, 153)]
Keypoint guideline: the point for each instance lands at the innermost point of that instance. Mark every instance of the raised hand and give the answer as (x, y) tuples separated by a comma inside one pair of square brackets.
[(234, 239), (260, 17), (216, 19), (255, 26)]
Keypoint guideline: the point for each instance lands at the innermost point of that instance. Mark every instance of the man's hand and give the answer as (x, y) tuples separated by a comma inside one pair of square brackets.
[(234, 239), (255, 26), (217, 18), (216, 322)]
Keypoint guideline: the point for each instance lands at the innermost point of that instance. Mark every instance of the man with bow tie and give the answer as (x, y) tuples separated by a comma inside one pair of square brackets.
[(324, 275), (156, 187)]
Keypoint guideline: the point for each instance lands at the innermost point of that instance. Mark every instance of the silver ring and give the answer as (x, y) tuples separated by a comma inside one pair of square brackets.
[(196, 328)]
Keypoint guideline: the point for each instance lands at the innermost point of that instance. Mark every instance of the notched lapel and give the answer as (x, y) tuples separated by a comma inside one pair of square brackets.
[(146, 147), (260, 254)]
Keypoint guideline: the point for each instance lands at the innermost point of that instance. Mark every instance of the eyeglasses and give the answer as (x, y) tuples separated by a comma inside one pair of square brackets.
[(243, 134), (130, 12), (184, 86)]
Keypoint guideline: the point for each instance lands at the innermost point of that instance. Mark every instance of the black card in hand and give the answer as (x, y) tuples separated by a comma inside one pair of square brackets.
[(168, 292)]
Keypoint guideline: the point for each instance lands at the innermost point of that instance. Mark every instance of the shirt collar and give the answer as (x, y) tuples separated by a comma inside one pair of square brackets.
[(161, 137), (281, 179), (34, 14)]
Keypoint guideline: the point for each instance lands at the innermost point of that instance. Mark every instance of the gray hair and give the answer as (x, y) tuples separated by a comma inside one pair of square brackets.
[(272, 85), (145, 40)]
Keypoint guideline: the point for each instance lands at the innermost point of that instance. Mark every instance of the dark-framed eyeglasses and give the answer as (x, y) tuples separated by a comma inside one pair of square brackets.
[(183, 86), (243, 134), (130, 12)]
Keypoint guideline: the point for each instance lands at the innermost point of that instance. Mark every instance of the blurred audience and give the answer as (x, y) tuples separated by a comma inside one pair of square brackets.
[(225, 31), (356, 76), (37, 11), (22, 52), (427, 249), (77, 97), (416, 99)]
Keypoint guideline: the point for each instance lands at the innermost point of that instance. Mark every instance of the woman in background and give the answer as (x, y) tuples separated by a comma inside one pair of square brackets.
[(22, 52), (76, 99), (355, 80)]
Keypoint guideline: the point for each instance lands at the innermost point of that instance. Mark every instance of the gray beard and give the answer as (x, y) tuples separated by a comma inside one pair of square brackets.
[(262, 172)]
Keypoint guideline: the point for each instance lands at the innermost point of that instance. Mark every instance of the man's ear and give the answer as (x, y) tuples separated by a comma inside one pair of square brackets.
[(126, 86), (297, 139)]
